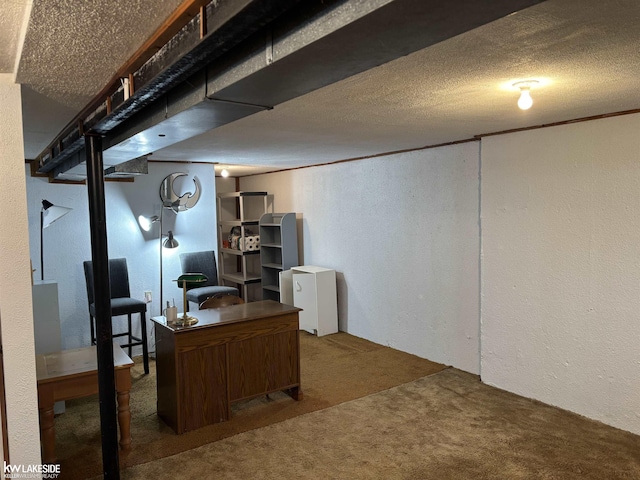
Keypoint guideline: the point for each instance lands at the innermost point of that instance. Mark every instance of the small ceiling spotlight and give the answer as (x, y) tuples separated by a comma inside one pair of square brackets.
[(224, 173), (525, 101)]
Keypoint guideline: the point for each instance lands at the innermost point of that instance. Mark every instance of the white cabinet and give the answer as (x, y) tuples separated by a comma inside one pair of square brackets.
[(46, 317), (46, 323), (314, 290)]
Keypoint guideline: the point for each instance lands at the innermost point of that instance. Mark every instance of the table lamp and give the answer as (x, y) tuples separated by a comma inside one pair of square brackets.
[(183, 282)]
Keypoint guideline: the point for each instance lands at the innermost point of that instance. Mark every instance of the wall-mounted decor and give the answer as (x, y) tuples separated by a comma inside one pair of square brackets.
[(175, 202)]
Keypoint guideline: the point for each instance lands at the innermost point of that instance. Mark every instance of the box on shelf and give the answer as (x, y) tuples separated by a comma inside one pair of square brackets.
[(246, 244)]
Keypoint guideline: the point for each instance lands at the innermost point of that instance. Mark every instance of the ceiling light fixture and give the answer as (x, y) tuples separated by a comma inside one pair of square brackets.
[(525, 101), (224, 173)]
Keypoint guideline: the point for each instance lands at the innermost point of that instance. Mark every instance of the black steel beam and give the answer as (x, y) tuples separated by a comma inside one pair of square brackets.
[(229, 23), (71, 161), (102, 296)]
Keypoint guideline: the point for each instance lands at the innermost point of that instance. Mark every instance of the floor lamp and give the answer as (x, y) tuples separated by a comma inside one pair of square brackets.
[(48, 214), (170, 242)]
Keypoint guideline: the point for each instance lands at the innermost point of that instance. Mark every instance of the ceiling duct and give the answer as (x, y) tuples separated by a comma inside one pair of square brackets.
[(132, 168)]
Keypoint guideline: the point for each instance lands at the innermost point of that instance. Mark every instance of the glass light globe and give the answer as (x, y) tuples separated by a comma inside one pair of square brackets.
[(525, 101)]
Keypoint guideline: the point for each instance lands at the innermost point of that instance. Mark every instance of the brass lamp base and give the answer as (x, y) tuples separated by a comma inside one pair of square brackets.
[(185, 321)]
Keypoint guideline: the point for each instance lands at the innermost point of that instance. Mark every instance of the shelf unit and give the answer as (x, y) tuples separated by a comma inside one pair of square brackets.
[(278, 250), (239, 209)]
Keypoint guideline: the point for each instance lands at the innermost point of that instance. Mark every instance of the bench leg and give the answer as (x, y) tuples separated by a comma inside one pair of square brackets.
[(47, 434), (124, 420)]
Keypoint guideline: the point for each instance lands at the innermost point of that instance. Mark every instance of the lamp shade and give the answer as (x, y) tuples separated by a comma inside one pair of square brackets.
[(170, 242), (146, 222), (191, 278), (51, 213)]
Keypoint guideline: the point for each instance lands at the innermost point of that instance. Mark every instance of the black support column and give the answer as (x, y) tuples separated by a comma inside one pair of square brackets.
[(102, 295)]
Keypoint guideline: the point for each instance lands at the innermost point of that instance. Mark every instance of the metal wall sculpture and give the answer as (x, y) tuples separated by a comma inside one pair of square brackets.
[(178, 203)]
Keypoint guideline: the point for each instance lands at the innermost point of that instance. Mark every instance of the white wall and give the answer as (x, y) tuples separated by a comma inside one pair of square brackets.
[(561, 267), (67, 241), (402, 234), (15, 286), (225, 185)]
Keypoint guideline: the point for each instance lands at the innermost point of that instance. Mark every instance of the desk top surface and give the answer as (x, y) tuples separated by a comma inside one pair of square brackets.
[(77, 361), (230, 314)]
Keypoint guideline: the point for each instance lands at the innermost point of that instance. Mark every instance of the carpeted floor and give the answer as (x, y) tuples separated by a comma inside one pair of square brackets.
[(334, 369), (444, 426)]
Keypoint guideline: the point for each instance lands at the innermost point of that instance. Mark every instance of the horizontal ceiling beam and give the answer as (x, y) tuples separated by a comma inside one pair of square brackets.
[(170, 27), (216, 29), (309, 46)]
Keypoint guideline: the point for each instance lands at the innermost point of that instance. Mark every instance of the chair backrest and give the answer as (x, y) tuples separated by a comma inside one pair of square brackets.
[(118, 278), (201, 262), (218, 301)]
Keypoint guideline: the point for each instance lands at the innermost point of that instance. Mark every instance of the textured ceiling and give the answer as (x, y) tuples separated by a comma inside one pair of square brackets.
[(72, 48), (584, 52), (586, 57), (11, 22)]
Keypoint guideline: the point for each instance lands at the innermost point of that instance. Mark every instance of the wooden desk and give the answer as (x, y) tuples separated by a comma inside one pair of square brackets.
[(232, 353), (73, 374)]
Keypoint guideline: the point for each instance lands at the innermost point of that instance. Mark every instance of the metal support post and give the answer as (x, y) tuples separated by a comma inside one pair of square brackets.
[(102, 295)]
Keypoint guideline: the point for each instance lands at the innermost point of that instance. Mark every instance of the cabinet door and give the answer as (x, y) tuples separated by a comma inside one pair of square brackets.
[(304, 297)]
